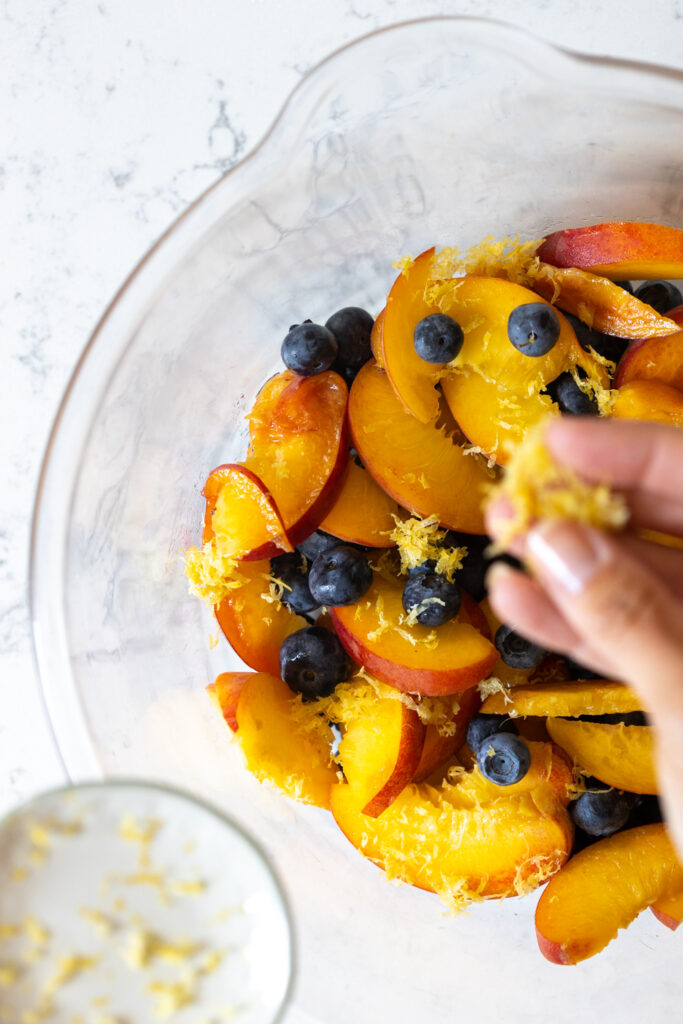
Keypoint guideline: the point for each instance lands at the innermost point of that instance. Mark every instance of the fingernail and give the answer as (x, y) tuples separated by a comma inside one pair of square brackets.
[(568, 552), (498, 572)]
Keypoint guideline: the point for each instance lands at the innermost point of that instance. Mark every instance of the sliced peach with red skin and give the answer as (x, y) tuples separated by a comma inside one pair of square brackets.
[(649, 400), (278, 746), (244, 519), (600, 303), (494, 391), (654, 358), (362, 512), (254, 622), (225, 693), (414, 659), (299, 446), (439, 747), (417, 464), (618, 250), (459, 840), (412, 378), (565, 700), (619, 755), (669, 910), (602, 889), (380, 751)]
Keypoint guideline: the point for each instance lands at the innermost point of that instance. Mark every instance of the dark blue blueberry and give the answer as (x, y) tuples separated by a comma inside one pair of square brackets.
[(533, 328), (661, 295), (352, 327), (291, 570), (309, 349), (340, 576), (316, 544), (604, 344), (504, 758), (438, 338), (440, 598), (483, 726), (616, 718), (571, 399), (577, 671), (313, 661), (516, 651), (626, 285), (603, 812)]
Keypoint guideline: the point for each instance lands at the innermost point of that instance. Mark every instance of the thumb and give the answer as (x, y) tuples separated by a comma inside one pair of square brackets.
[(618, 607)]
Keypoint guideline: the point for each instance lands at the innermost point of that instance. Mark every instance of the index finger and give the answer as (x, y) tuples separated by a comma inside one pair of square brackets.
[(644, 460)]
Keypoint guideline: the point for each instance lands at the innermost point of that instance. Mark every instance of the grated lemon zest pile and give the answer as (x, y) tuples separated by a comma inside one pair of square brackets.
[(537, 487), (507, 257), (419, 540), (492, 685), (592, 385), (212, 574)]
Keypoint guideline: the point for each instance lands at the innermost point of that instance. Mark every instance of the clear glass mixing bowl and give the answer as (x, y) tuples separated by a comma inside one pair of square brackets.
[(441, 131)]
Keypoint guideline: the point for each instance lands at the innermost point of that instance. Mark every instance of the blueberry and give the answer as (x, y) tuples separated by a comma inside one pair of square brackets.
[(438, 338), (516, 651), (291, 570), (352, 327), (627, 718), (571, 399), (316, 543), (483, 726), (533, 328), (309, 349), (577, 671), (604, 344), (340, 576), (504, 758), (626, 285), (313, 661), (441, 598), (603, 812), (661, 295)]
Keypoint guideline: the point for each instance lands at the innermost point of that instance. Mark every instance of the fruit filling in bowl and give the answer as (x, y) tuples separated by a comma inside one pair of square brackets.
[(345, 558)]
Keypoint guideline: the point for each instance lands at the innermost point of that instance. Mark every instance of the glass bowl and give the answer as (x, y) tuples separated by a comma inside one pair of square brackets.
[(119, 886), (438, 131)]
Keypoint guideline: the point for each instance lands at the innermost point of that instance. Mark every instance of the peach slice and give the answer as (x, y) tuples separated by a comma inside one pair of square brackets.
[(363, 512), (299, 446), (619, 755), (244, 518), (380, 751), (411, 377), (446, 841), (654, 358), (225, 693), (254, 622), (377, 339), (417, 464), (600, 303), (602, 889), (618, 250), (669, 910), (414, 659), (649, 400), (438, 747), (568, 700), (279, 747), (494, 391)]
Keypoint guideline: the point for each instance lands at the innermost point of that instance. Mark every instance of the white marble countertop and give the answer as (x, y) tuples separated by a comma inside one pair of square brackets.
[(115, 115)]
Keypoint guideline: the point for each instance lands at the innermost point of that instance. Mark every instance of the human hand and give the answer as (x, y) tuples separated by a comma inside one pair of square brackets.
[(612, 602)]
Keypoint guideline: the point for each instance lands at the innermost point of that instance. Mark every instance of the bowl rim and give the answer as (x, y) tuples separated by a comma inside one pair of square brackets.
[(136, 280), (183, 796)]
